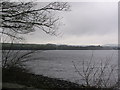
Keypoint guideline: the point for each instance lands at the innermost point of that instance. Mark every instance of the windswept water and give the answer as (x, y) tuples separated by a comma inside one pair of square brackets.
[(61, 63)]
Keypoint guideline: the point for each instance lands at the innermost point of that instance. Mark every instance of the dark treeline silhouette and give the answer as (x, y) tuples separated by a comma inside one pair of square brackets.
[(7, 46)]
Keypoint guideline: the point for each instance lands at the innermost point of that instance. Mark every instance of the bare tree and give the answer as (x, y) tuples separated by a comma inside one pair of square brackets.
[(20, 18), (25, 17)]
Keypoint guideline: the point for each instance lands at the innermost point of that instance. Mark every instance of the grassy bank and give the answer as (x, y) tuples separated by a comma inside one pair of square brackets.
[(40, 81)]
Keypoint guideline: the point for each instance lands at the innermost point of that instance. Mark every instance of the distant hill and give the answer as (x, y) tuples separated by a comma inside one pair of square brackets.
[(16, 46)]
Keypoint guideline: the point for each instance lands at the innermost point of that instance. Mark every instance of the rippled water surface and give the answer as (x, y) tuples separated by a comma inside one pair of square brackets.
[(62, 63)]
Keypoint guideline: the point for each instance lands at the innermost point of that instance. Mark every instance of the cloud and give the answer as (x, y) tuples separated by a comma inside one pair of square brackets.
[(86, 23), (90, 19)]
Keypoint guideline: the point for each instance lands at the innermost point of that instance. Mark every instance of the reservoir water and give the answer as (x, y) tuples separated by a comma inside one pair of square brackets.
[(66, 64)]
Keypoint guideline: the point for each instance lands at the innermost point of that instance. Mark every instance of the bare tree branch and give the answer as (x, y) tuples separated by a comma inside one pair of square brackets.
[(23, 18)]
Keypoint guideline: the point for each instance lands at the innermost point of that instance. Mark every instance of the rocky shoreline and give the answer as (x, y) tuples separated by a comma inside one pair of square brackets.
[(36, 81)]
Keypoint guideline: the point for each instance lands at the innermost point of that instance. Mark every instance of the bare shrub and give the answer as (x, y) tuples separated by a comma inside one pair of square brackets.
[(97, 74)]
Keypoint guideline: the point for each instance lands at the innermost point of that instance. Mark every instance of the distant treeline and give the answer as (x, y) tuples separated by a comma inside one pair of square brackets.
[(15, 46)]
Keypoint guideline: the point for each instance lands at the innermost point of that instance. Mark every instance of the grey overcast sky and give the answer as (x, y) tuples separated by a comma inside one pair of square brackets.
[(88, 23)]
